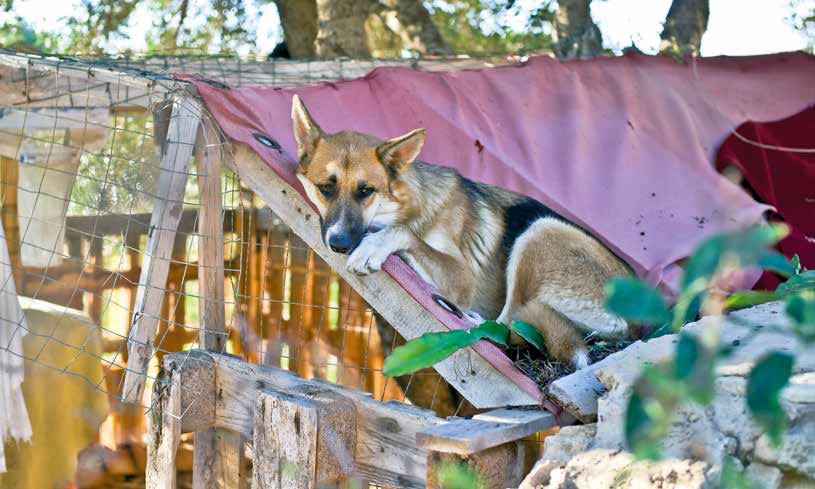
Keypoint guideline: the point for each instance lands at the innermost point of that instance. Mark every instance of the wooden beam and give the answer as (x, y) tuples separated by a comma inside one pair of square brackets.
[(499, 467), (480, 383), (212, 333), (218, 452), (484, 431), (303, 439), (164, 432), (385, 453), (163, 224), (217, 459), (31, 119)]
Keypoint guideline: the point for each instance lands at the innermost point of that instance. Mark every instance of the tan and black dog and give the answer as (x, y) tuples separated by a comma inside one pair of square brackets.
[(495, 253)]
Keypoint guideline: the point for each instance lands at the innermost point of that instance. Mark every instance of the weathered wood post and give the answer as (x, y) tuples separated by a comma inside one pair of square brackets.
[(303, 439)]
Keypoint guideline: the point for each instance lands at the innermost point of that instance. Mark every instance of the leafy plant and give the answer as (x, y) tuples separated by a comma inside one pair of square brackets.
[(431, 348), (660, 390)]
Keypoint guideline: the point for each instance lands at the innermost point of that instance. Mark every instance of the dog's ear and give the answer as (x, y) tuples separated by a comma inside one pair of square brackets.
[(306, 131), (398, 153)]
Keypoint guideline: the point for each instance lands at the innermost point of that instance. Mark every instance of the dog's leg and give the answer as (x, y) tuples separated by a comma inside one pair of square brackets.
[(559, 334), (556, 268), (453, 279)]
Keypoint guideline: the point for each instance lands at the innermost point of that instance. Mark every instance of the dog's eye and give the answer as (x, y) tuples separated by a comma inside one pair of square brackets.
[(326, 189), (364, 192)]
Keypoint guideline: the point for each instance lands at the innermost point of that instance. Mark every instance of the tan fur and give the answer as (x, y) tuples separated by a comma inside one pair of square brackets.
[(450, 231)]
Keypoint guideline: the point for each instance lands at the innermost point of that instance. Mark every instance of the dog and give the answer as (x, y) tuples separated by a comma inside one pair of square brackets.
[(492, 252)]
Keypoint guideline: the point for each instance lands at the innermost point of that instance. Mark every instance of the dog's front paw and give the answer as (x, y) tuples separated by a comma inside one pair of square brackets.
[(375, 248)]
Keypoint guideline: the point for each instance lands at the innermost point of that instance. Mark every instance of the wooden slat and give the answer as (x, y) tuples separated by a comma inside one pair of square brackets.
[(481, 383), (163, 224), (212, 335), (218, 452), (217, 459), (164, 432), (495, 468), (29, 119), (303, 439), (386, 450), (485, 431)]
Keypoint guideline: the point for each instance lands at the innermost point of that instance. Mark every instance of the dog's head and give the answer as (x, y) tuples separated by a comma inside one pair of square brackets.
[(352, 178)]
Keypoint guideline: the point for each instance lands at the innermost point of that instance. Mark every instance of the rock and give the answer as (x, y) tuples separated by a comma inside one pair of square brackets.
[(579, 392), (568, 442), (764, 476), (797, 450), (724, 428), (558, 449), (606, 469), (539, 476)]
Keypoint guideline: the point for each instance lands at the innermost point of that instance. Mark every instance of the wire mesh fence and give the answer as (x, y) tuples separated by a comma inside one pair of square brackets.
[(81, 163)]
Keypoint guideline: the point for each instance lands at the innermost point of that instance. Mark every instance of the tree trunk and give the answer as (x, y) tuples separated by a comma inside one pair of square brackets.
[(576, 34), (341, 28), (684, 26), (299, 21), (412, 22)]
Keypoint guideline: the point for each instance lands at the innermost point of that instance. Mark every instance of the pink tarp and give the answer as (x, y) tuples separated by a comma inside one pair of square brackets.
[(622, 146)]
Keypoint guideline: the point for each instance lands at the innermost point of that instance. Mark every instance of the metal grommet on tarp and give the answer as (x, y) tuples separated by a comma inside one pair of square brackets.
[(449, 306), (267, 141)]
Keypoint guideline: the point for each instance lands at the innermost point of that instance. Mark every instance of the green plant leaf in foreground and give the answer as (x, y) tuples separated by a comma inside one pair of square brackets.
[(747, 247), (425, 351), (802, 281), (776, 262), (770, 374), (801, 309), (747, 298), (431, 348), (530, 334), (495, 331), (634, 300)]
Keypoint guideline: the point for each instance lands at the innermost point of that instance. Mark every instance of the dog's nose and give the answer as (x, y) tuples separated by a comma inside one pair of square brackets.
[(341, 243)]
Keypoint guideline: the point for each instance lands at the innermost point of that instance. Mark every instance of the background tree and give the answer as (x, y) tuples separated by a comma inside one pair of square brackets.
[(576, 34), (685, 25)]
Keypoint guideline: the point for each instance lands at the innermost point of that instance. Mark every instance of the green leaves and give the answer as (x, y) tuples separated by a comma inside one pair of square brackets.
[(661, 389), (764, 385), (801, 309), (747, 298), (530, 334), (426, 351), (492, 330), (636, 301), (797, 283), (431, 348)]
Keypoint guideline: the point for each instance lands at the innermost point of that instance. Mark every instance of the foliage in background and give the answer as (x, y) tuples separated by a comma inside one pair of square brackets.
[(661, 389), (803, 19), (20, 36), (121, 177), (483, 26)]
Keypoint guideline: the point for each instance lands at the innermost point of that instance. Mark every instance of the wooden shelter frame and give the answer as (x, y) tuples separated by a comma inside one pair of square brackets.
[(303, 433)]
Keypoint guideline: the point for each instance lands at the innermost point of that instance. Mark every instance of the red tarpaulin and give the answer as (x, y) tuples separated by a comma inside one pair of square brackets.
[(622, 146)]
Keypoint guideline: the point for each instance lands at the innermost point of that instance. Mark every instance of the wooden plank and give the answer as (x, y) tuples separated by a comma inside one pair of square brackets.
[(31, 119), (9, 187), (285, 442), (212, 335), (386, 452), (480, 383), (485, 431), (495, 468), (218, 452), (163, 224), (217, 459), (164, 432), (303, 439)]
